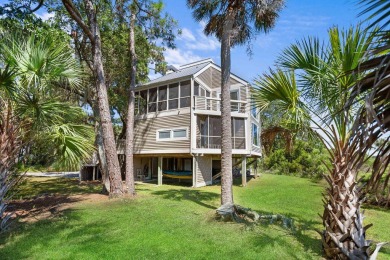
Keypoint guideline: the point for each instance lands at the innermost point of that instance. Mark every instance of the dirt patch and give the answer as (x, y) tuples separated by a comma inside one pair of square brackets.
[(49, 205)]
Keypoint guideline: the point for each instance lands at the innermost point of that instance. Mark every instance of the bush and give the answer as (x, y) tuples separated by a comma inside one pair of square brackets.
[(305, 160)]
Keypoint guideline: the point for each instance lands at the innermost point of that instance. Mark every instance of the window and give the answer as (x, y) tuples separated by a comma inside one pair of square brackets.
[(179, 133), (234, 105), (164, 134), (143, 98), (238, 133), (185, 93), (172, 134), (254, 110), (173, 102), (255, 135), (210, 130), (152, 105), (196, 89), (162, 98)]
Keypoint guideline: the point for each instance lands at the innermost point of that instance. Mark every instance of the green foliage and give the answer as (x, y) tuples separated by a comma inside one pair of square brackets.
[(48, 121), (250, 17), (278, 88), (306, 160)]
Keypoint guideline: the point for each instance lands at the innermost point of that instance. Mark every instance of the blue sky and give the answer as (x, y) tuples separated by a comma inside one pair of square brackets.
[(300, 18)]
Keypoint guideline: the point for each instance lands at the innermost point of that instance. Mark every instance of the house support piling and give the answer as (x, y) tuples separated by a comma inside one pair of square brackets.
[(160, 162), (243, 170)]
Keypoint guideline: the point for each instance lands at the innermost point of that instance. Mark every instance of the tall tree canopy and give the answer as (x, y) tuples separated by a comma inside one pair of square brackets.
[(233, 22)]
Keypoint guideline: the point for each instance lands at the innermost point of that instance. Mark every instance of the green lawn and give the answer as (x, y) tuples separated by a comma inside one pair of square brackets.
[(174, 222)]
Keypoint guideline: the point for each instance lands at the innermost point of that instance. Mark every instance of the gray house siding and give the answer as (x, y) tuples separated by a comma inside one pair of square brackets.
[(203, 170), (145, 133)]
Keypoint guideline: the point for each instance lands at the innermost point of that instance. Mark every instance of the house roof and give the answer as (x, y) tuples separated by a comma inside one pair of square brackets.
[(182, 71)]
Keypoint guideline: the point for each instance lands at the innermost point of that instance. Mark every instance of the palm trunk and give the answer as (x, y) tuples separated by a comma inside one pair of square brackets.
[(344, 234), (130, 112), (226, 136), (104, 110)]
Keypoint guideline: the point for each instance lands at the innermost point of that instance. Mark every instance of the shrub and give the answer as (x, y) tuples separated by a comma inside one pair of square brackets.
[(305, 160)]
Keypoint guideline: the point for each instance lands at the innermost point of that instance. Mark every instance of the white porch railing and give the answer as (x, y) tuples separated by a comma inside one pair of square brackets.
[(214, 104)]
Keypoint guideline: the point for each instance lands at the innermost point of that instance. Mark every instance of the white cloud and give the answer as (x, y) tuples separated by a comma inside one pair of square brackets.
[(198, 40), (45, 16), (303, 22), (186, 35), (177, 57)]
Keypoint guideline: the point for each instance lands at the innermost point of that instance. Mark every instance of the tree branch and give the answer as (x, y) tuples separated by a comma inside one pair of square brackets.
[(74, 13)]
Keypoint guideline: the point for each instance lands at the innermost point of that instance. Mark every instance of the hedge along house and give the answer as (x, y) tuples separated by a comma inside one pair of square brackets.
[(177, 130)]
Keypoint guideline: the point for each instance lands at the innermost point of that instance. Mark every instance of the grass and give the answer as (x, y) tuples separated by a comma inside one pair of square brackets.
[(36, 186), (171, 222)]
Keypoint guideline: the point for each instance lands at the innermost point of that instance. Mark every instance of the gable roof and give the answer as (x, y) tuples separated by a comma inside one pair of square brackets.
[(182, 72), (187, 70)]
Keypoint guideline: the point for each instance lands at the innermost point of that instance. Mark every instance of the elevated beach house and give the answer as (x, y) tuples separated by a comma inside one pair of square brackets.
[(178, 125)]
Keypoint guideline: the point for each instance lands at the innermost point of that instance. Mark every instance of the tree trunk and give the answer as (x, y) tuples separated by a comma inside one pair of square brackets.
[(130, 111), (102, 159), (226, 136), (344, 234), (104, 110)]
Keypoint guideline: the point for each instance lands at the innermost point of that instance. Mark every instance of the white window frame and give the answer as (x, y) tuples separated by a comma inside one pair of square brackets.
[(171, 138)]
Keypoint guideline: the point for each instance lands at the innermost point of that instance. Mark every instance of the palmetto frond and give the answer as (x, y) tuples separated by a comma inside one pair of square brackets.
[(7, 84), (280, 89), (41, 62), (378, 10), (74, 143), (324, 70), (262, 14), (42, 112)]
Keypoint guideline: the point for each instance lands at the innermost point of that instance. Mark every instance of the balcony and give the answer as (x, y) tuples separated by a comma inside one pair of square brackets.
[(214, 142), (214, 105)]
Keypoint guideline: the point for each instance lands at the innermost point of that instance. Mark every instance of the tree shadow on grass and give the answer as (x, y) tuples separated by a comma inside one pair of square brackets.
[(304, 231), (32, 187), (47, 232), (202, 198), (264, 240)]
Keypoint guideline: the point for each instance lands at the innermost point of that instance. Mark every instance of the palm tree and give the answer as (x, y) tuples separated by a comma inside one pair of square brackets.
[(231, 22), (30, 107), (373, 91), (277, 91), (324, 82)]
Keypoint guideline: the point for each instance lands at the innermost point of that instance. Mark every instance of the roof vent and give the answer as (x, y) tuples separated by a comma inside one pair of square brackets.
[(171, 69)]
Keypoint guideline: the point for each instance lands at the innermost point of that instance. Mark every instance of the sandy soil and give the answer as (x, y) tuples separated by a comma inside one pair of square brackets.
[(49, 206)]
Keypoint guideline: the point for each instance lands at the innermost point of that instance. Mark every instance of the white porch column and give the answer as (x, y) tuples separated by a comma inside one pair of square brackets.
[(159, 171), (94, 173), (243, 170), (150, 168), (194, 171)]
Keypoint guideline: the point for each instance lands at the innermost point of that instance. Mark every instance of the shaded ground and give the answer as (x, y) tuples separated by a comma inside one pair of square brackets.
[(48, 206), (41, 198)]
